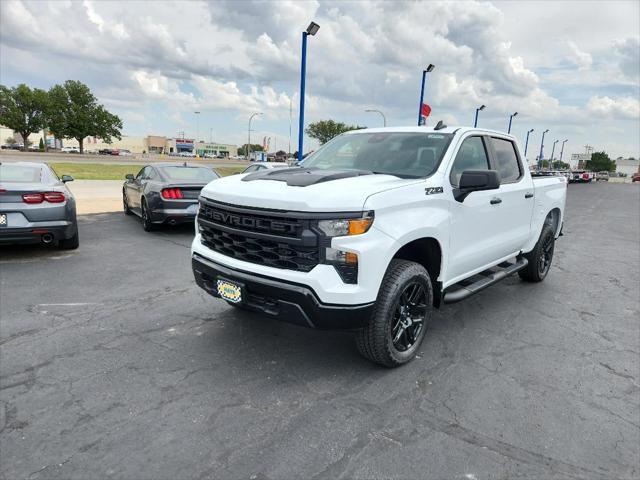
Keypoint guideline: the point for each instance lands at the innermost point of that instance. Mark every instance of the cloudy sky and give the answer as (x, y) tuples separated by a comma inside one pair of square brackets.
[(572, 67)]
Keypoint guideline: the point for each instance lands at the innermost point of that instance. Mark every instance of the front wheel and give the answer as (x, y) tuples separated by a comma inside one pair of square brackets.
[(125, 204), (398, 324), (540, 257)]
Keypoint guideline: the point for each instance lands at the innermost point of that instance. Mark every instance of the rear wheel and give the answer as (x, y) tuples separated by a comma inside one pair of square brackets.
[(70, 243), (146, 220), (540, 257), (398, 325)]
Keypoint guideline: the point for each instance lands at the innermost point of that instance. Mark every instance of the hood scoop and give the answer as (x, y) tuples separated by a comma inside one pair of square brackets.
[(303, 177)]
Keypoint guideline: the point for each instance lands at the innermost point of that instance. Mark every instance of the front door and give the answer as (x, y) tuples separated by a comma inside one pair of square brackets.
[(477, 224)]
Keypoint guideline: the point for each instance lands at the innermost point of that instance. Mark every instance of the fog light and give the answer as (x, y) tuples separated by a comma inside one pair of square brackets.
[(345, 263)]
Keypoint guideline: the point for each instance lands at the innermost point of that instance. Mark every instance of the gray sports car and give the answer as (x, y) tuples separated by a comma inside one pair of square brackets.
[(165, 193), (36, 206)]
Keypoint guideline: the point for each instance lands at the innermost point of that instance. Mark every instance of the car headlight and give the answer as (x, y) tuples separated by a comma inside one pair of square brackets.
[(346, 226)]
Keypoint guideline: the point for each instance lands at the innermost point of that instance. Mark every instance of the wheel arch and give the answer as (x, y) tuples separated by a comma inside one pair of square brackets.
[(426, 251)]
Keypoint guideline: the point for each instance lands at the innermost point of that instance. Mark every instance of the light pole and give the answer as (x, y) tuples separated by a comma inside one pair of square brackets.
[(526, 143), (552, 152), (290, 121), (384, 119), (562, 149), (197, 131), (510, 119), (541, 149), (424, 78), (481, 107), (248, 149), (312, 29)]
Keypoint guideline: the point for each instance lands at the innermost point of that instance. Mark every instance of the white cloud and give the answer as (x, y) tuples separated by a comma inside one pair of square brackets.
[(581, 59), (625, 107)]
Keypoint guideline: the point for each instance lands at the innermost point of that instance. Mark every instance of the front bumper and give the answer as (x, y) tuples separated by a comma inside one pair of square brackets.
[(289, 302)]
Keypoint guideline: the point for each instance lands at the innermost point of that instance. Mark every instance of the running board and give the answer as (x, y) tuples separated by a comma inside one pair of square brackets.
[(468, 289)]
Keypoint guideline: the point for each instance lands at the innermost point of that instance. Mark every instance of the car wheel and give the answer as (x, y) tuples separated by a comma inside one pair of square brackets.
[(125, 204), (540, 257), (146, 220), (398, 324), (70, 243)]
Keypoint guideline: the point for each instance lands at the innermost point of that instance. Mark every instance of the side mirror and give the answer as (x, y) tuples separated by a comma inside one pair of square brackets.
[(66, 178), (476, 181), (130, 177)]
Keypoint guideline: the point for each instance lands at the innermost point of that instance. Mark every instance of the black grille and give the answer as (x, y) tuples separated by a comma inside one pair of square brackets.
[(258, 237)]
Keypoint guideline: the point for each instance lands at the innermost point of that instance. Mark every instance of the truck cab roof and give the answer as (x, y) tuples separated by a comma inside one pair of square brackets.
[(447, 129)]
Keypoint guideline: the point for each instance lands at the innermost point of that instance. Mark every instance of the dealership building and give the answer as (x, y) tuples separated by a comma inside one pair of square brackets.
[(148, 144)]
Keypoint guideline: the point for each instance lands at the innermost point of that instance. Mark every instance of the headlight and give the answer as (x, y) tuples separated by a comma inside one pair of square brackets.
[(344, 227)]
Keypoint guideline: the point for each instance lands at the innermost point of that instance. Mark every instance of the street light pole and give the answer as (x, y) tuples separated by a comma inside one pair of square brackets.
[(526, 143), (248, 149), (290, 122), (552, 152), (562, 149), (384, 119), (510, 119), (424, 78), (312, 29), (541, 149), (475, 123)]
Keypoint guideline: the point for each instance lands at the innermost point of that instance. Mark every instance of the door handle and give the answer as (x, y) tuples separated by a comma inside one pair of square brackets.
[(528, 195), (495, 201)]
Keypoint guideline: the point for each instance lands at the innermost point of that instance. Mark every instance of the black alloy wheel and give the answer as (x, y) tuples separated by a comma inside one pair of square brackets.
[(409, 316)]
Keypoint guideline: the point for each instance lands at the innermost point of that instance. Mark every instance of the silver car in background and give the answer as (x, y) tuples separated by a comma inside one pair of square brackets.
[(36, 206)]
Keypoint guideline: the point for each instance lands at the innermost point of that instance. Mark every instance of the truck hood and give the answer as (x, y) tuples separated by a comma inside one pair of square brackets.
[(303, 189)]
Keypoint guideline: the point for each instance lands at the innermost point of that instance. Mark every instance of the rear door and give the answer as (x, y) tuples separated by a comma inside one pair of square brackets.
[(516, 194)]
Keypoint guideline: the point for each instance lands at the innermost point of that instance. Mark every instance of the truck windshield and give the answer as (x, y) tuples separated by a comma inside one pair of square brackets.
[(403, 154)]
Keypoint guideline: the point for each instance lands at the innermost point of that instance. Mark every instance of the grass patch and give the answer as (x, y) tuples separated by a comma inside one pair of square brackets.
[(109, 171)]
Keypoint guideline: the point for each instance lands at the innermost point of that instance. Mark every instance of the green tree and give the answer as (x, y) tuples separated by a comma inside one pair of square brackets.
[(560, 165), (242, 150), (41, 145), (600, 162), (23, 110), (325, 130), (75, 113)]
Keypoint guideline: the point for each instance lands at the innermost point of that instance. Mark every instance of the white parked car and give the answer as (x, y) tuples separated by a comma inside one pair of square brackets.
[(70, 150), (377, 228), (124, 153), (257, 167), (187, 154)]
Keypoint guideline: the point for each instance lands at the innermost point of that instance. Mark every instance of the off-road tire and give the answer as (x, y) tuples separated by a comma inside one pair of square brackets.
[(375, 340), (533, 272), (70, 243)]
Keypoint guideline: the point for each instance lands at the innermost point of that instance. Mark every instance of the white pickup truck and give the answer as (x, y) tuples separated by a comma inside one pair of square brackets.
[(375, 229)]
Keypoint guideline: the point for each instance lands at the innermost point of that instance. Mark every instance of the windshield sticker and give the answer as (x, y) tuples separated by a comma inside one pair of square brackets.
[(437, 137), (433, 190)]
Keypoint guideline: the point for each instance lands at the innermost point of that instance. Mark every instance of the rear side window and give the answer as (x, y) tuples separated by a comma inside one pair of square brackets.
[(19, 173), (506, 160), (471, 156)]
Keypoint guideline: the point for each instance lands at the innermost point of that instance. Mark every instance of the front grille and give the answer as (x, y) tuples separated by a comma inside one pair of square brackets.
[(257, 236)]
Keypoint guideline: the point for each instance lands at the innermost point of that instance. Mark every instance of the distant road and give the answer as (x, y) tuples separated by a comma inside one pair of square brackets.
[(13, 155)]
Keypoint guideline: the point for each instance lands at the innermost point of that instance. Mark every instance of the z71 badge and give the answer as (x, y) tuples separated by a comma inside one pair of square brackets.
[(433, 190)]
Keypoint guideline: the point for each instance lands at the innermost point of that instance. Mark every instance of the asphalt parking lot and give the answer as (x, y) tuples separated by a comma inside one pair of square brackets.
[(114, 364)]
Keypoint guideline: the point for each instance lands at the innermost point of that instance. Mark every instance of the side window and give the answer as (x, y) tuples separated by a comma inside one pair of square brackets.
[(151, 173), (471, 156), (506, 160), (252, 168), (141, 174)]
